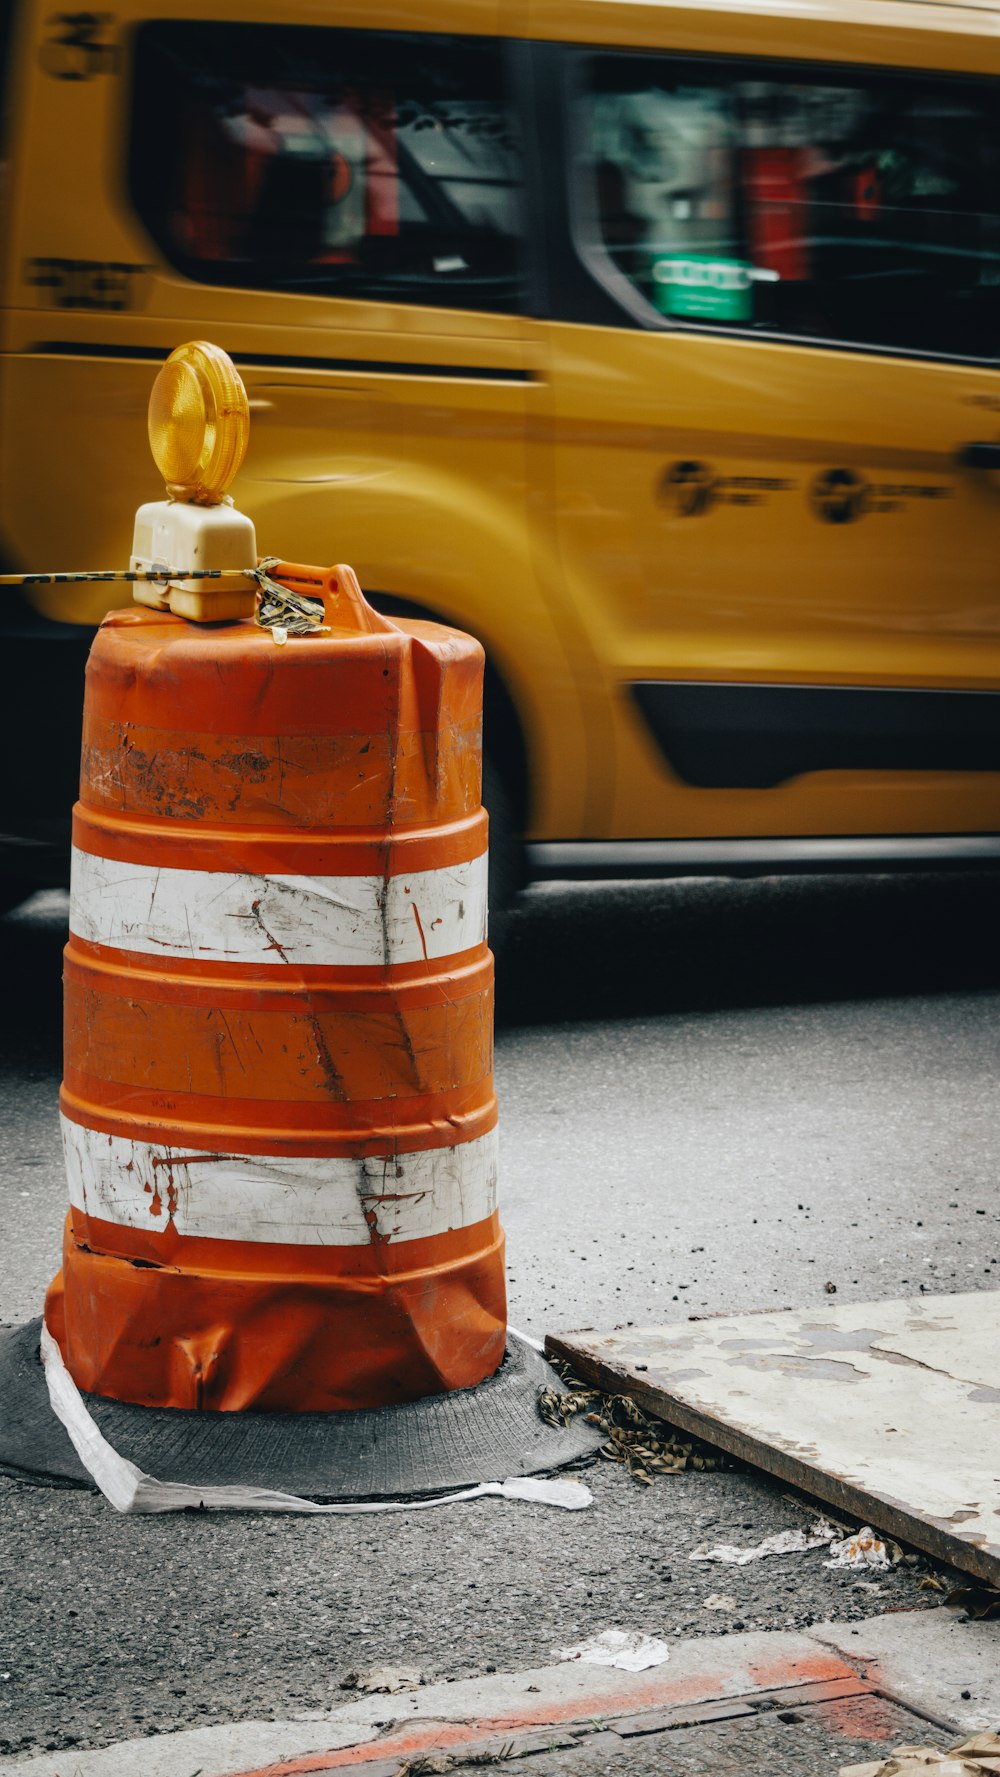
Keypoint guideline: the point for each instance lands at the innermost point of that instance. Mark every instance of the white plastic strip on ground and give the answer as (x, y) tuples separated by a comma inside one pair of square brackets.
[(236, 918), (292, 1200), (129, 1490)]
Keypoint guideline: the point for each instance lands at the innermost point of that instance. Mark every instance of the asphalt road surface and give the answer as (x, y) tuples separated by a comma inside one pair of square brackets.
[(715, 1096)]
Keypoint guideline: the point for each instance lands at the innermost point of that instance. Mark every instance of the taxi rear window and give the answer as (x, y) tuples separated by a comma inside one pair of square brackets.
[(825, 204), (355, 163)]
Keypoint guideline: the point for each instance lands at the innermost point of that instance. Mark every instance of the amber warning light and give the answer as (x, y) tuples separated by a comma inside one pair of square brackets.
[(199, 428)]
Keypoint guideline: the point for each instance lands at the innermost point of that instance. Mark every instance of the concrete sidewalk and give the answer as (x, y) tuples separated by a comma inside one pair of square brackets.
[(912, 1675)]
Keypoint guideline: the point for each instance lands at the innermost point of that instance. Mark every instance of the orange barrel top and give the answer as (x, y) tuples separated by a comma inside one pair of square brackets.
[(278, 1103)]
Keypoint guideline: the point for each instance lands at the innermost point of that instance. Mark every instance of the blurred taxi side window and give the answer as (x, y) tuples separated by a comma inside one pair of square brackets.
[(851, 208), (347, 163)]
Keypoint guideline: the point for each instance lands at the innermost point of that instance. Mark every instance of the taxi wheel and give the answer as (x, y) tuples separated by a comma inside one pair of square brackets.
[(505, 871)]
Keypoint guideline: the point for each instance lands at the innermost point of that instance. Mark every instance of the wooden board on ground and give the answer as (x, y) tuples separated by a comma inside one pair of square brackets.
[(888, 1411)]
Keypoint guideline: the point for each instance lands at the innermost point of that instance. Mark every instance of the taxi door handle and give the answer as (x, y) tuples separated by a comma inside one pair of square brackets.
[(980, 456)]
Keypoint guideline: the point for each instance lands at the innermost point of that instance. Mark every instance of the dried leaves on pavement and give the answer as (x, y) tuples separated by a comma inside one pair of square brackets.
[(645, 1445)]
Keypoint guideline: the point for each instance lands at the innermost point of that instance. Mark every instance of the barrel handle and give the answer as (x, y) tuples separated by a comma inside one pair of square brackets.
[(344, 603)]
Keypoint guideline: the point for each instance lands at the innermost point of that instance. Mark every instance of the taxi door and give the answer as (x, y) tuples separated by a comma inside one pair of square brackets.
[(774, 321)]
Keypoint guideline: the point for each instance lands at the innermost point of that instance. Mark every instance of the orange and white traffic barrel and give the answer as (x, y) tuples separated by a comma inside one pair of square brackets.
[(278, 1106)]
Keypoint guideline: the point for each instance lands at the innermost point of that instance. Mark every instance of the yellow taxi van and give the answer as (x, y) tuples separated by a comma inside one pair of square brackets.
[(653, 341)]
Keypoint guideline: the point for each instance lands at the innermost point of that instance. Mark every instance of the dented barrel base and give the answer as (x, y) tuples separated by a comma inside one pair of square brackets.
[(408, 1450), (277, 1327)]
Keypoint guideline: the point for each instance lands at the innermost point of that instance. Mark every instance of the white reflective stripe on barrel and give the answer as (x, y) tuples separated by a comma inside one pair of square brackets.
[(296, 1201), (239, 918)]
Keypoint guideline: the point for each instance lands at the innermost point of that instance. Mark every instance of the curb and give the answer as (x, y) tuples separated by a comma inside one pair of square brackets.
[(938, 1666)]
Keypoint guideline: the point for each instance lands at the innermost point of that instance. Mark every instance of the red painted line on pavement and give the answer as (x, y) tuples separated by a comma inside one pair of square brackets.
[(663, 1691), (771, 1675)]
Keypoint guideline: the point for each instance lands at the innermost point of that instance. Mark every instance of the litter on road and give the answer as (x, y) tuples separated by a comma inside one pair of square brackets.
[(625, 1649), (863, 1549), (970, 1758), (981, 1603), (782, 1542), (383, 1680)]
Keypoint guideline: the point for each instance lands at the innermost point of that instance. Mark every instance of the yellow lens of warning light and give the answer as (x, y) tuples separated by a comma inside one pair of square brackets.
[(199, 423)]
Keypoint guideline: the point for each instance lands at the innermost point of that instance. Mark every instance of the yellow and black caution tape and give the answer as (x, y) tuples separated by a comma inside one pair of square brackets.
[(130, 574), (278, 609)]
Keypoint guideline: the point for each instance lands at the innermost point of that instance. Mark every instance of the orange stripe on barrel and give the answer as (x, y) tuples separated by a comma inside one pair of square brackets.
[(249, 1041), (274, 781), (353, 852), (277, 1126)]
